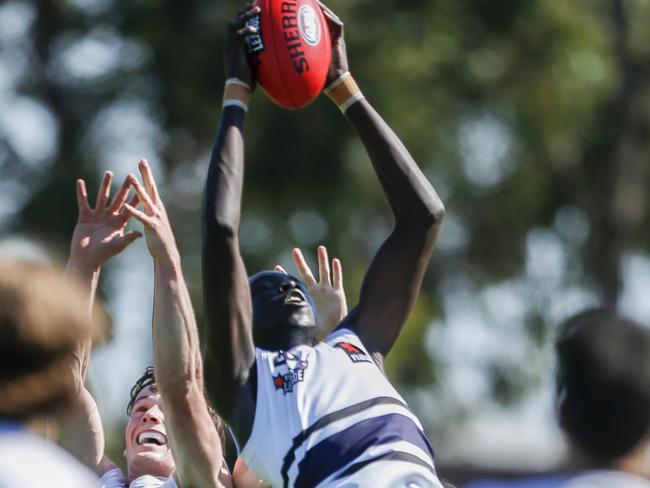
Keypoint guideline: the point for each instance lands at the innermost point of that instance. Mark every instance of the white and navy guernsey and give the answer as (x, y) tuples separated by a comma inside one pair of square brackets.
[(327, 416)]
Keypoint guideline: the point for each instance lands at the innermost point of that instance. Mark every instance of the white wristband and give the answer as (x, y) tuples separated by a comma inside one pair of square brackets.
[(233, 102), (353, 99), (238, 82), (337, 82)]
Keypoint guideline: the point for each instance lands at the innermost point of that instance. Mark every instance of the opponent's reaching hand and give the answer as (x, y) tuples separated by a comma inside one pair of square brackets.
[(157, 229), (100, 232), (327, 292), (236, 56), (339, 63)]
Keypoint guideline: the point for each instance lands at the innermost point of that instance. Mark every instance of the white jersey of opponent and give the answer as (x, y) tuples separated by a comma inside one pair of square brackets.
[(29, 461), (114, 478), (327, 416)]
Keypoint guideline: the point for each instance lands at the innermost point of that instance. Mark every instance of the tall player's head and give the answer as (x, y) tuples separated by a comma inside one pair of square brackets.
[(603, 385), (283, 311)]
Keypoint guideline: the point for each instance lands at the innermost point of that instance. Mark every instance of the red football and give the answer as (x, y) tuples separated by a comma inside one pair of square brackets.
[(291, 52)]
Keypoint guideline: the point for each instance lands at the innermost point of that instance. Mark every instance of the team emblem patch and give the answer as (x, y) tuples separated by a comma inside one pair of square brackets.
[(356, 354), (290, 369)]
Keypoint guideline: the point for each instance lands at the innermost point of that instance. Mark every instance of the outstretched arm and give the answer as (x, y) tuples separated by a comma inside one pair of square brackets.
[(98, 236), (392, 282), (229, 351), (194, 440)]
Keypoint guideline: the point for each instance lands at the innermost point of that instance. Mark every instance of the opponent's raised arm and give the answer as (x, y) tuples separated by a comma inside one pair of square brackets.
[(393, 280), (228, 350), (99, 235), (194, 440)]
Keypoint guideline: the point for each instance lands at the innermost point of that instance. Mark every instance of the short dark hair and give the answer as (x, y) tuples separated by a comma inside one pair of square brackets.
[(603, 382), (148, 378)]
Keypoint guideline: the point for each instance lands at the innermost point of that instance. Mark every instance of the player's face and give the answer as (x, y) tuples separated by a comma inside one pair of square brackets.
[(283, 313), (147, 446)]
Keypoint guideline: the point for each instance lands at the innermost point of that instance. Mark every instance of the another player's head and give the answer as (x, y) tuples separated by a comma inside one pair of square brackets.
[(43, 317), (147, 445), (603, 385), (283, 312)]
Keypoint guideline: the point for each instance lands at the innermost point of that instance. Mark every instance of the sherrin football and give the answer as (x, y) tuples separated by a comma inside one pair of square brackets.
[(291, 51)]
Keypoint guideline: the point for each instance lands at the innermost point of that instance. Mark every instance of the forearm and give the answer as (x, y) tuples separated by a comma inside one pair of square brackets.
[(175, 337), (229, 346), (87, 275), (223, 189), (81, 433), (408, 191)]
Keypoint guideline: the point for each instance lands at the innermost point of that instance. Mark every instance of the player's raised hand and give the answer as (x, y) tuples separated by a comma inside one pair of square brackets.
[(153, 216), (339, 64), (236, 56), (100, 232), (327, 292)]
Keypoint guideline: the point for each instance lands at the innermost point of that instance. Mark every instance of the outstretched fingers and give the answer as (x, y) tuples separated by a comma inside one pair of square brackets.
[(323, 266), (139, 215), (280, 269), (120, 197), (104, 191), (142, 195), (337, 274), (149, 181), (127, 239), (82, 197), (303, 268)]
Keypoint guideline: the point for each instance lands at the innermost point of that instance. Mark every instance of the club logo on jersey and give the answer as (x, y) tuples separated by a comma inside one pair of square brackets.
[(356, 355), (291, 370)]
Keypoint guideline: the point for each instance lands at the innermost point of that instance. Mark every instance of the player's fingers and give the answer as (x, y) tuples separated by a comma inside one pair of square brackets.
[(133, 202), (303, 268), (244, 16), (323, 266), (104, 190), (137, 214), (82, 196), (330, 15), (148, 179), (128, 239), (142, 194), (280, 269), (247, 30), (121, 196), (337, 274)]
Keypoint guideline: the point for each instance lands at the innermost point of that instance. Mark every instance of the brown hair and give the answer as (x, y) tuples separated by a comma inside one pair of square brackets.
[(43, 318)]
